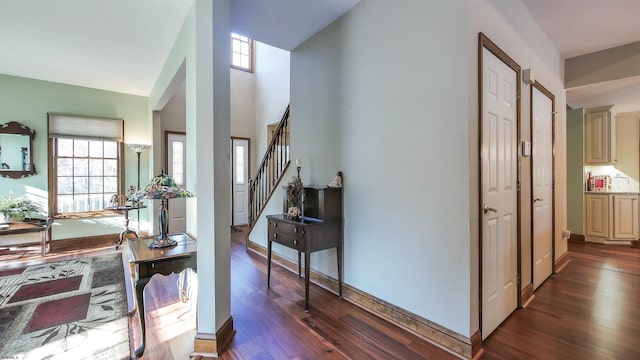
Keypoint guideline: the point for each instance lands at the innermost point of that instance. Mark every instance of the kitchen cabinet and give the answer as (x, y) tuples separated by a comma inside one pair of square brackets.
[(611, 218), (597, 215), (600, 136), (625, 217)]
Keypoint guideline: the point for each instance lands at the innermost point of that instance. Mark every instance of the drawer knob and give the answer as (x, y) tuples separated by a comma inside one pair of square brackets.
[(275, 224), (295, 242), (275, 236), (295, 230)]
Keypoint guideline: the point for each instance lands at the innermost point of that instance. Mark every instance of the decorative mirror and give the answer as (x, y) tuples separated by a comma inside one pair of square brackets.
[(16, 155)]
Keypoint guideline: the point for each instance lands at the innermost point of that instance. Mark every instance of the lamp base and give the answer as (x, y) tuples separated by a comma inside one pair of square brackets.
[(159, 243)]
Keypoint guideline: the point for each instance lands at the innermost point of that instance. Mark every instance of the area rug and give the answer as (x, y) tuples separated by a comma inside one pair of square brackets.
[(74, 309)]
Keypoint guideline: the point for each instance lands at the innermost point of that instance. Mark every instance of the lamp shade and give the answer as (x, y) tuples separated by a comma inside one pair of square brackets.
[(162, 187), (139, 148)]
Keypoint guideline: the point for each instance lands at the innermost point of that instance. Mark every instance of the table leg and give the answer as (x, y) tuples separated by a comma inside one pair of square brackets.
[(307, 268), (140, 284), (123, 236), (132, 273), (269, 243), (299, 265), (339, 256), (43, 242)]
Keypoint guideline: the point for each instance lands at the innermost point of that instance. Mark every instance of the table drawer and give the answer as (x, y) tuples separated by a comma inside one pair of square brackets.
[(289, 235), (167, 266)]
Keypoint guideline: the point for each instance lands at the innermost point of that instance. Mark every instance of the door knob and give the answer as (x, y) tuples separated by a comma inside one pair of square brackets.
[(537, 199), (486, 209)]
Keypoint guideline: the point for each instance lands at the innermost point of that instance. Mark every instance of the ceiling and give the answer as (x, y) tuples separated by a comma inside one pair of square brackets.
[(120, 45), (579, 27)]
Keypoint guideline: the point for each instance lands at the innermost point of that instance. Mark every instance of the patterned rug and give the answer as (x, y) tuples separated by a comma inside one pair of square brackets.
[(74, 309)]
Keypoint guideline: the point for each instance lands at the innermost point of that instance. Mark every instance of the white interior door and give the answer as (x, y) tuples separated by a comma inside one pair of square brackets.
[(499, 191), (542, 171), (239, 180), (176, 168)]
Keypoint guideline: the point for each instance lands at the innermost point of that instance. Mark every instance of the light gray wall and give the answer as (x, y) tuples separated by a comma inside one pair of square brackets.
[(399, 133), (605, 65), (272, 95), (575, 176)]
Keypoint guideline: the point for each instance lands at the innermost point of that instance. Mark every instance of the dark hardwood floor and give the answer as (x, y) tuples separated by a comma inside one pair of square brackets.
[(587, 311)]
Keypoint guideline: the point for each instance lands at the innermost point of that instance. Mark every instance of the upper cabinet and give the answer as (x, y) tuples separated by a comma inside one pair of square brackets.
[(600, 136)]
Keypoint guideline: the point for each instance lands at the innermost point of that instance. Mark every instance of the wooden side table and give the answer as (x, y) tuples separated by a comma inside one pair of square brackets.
[(146, 262), (125, 210), (27, 226), (306, 235)]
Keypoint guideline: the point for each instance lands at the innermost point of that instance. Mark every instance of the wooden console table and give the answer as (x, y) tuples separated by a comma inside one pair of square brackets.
[(146, 262), (319, 229), (28, 226)]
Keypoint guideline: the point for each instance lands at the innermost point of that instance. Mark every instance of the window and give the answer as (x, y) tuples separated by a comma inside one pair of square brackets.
[(241, 52), (85, 164)]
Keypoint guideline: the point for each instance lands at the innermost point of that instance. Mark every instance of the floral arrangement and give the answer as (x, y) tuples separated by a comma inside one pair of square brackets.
[(161, 187), (294, 196), (18, 208)]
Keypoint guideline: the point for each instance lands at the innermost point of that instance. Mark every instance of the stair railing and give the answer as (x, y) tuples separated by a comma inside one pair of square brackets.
[(271, 170)]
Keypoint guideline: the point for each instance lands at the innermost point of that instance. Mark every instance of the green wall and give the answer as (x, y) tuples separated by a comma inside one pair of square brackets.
[(574, 170), (28, 101)]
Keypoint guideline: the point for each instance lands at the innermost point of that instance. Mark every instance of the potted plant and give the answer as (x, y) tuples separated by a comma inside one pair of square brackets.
[(18, 208)]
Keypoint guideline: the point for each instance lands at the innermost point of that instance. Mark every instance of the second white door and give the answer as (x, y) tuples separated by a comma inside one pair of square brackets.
[(542, 170)]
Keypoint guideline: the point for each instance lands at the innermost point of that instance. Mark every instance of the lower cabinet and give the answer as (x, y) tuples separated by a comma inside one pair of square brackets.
[(625, 217), (611, 217)]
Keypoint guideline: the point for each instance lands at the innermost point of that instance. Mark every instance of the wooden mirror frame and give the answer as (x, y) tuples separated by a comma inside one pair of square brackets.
[(15, 128)]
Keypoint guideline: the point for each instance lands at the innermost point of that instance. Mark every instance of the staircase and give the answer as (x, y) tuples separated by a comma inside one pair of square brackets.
[(270, 172)]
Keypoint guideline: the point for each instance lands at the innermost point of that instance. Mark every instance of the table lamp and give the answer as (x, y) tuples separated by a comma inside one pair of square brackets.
[(162, 187)]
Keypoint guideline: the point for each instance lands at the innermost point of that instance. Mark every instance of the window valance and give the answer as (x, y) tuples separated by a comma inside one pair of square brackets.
[(61, 125)]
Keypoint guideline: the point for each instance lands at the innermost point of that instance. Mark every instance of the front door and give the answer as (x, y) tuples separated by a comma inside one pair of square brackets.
[(499, 191), (542, 182), (239, 180), (176, 168)]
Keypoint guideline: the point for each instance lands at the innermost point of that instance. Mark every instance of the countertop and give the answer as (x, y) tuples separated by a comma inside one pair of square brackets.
[(613, 192)]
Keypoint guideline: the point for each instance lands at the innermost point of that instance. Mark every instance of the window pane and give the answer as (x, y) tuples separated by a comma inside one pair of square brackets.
[(244, 62), (95, 184), (80, 174), (95, 148), (81, 203), (96, 202), (239, 175), (65, 203), (65, 185), (177, 166), (110, 167), (111, 184), (235, 46), (95, 167), (80, 148), (65, 167), (65, 147), (244, 48), (111, 149), (80, 185), (80, 167), (236, 59)]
